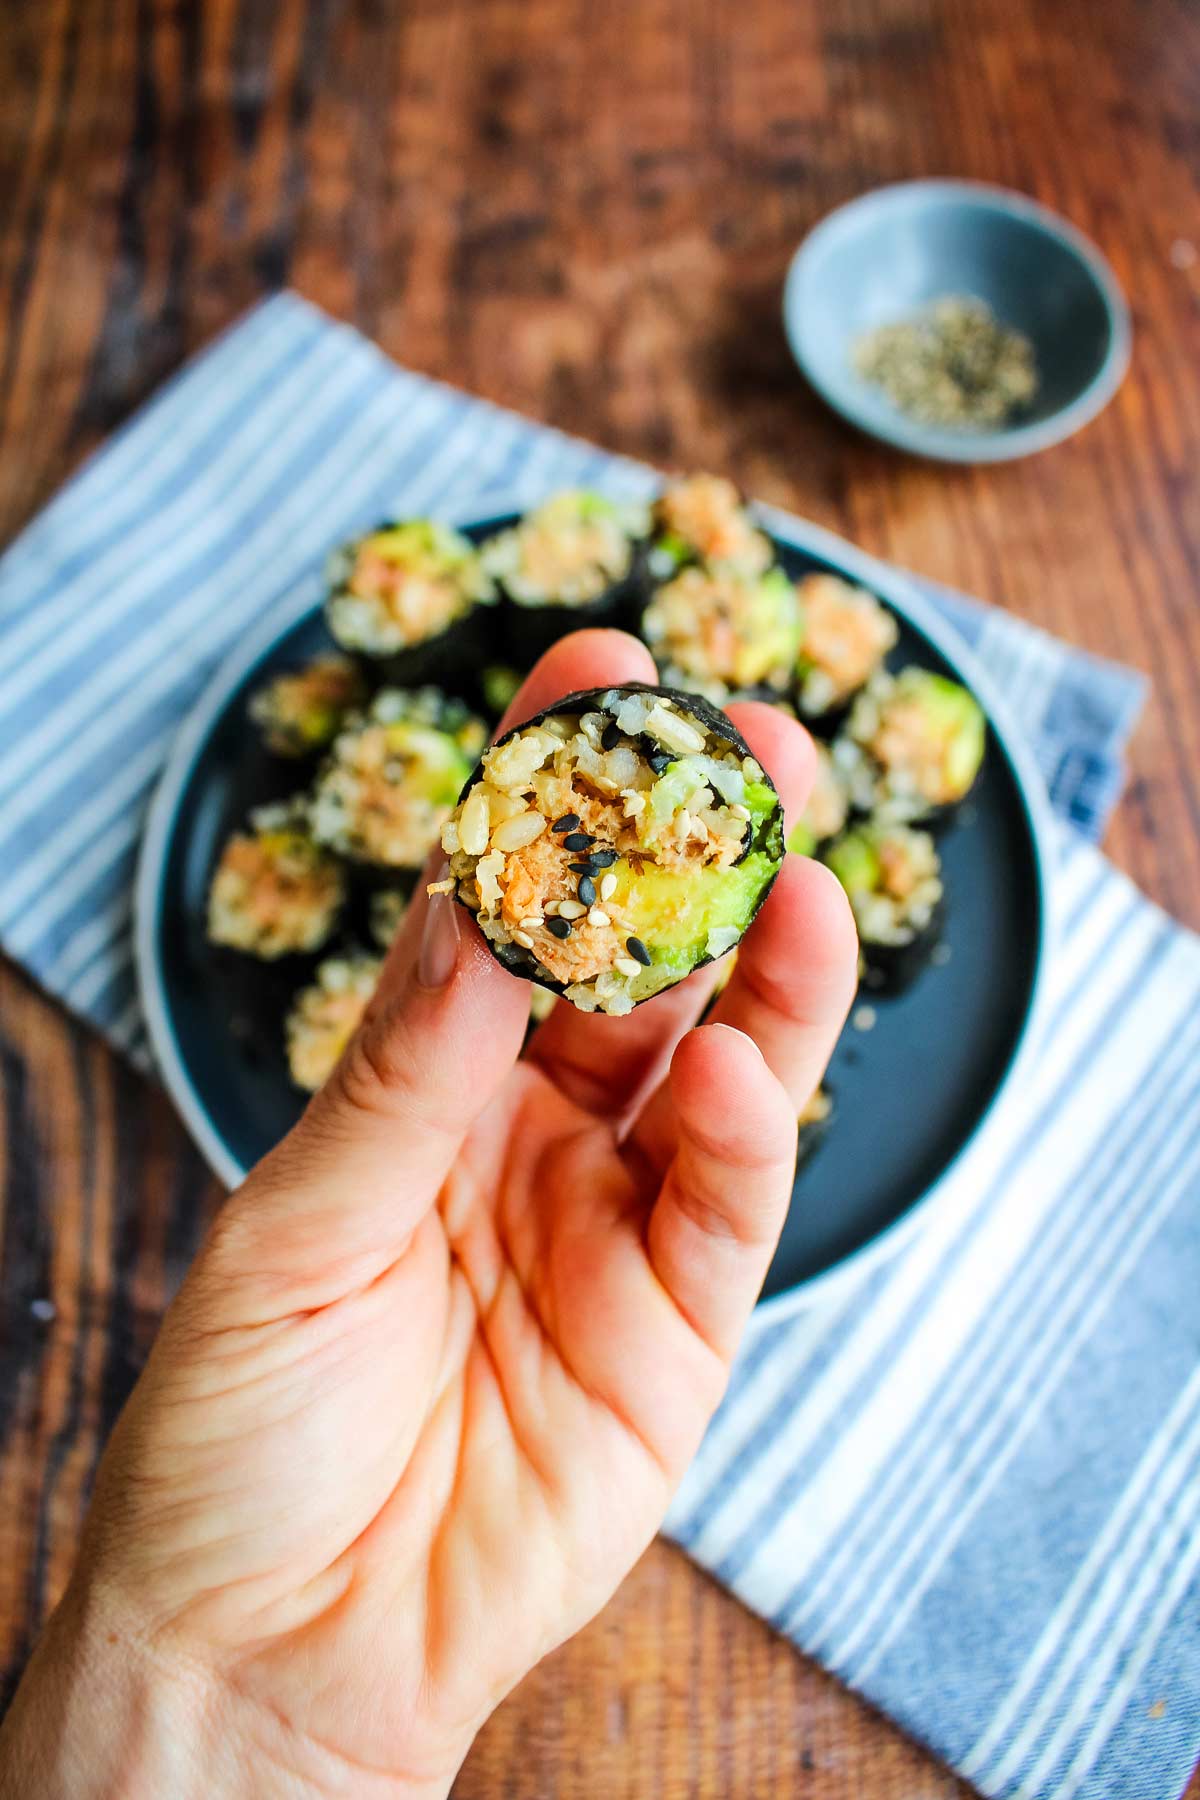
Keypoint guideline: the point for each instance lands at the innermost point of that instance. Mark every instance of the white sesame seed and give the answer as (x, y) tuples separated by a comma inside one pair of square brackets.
[(608, 886), (740, 812), (532, 922), (523, 938), (571, 909), (625, 965), (598, 916), (550, 909)]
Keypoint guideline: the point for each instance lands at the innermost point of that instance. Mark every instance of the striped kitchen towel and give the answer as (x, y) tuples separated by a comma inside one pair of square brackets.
[(969, 1485)]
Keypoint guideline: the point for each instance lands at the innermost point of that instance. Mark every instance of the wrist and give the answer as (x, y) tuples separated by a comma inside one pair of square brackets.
[(100, 1712)]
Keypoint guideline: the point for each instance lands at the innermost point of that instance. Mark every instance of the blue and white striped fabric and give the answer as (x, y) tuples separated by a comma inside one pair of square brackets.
[(970, 1486)]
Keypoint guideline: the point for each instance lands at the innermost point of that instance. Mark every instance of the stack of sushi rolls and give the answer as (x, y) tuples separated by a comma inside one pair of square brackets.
[(906, 758), (619, 840), (614, 843), (573, 561), (411, 599)]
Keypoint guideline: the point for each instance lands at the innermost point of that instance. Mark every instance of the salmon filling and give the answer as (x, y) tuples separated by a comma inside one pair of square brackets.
[(586, 832), (703, 517), (847, 634), (403, 585), (274, 893)]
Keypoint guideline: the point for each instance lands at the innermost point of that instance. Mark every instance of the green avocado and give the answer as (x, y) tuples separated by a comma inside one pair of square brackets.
[(854, 861), (437, 767), (683, 920)]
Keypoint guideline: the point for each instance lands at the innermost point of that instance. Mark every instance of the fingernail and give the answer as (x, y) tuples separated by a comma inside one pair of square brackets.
[(439, 943)]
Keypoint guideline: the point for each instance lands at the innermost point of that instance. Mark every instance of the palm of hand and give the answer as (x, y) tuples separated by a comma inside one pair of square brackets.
[(444, 1468)]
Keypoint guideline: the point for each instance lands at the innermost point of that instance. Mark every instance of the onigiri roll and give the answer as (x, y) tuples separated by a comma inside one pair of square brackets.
[(413, 598), (392, 777), (614, 843), (571, 562)]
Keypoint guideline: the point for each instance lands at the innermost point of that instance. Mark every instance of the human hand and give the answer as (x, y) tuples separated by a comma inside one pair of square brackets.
[(428, 1387)]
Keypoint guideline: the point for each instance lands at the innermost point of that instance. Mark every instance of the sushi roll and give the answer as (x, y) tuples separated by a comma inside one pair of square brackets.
[(412, 597), (703, 519), (388, 907), (812, 1123), (498, 686), (299, 713), (827, 809), (893, 879), (325, 1015), (846, 635), (614, 843), (571, 562), (721, 632), (275, 892), (913, 746), (392, 777)]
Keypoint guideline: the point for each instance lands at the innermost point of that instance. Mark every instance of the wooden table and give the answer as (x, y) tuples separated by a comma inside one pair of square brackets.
[(583, 211)]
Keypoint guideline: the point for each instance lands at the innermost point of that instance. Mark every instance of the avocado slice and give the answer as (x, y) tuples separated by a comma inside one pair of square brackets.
[(684, 922)]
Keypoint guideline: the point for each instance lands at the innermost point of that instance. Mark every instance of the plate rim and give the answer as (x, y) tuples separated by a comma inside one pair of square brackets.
[(893, 586)]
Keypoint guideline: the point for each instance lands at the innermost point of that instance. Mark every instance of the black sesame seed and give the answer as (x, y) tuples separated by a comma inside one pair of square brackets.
[(582, 868), (561, 928), (601, 859), (638, 951), (578, 840), (610, 737), (568, 822), (587, 890)]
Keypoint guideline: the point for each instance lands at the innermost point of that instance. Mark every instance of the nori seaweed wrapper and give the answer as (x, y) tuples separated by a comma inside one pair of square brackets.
[(527, 632), (768, 838), (890, 968), (450, 658)]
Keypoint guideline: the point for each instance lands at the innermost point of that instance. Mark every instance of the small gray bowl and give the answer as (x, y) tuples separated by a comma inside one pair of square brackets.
[(888, 254)]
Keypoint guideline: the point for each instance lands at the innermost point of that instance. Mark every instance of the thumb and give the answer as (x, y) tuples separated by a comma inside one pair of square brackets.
[(348, 1186)]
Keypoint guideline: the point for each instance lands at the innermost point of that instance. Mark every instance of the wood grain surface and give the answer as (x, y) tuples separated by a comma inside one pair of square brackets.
[(583, 211)]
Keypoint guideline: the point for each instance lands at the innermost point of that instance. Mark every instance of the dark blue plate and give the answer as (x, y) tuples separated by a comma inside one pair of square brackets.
[(913, 1077)]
